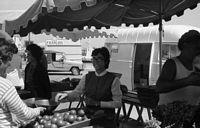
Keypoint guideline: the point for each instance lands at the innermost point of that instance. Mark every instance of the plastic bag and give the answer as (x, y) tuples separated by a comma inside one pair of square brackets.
[(15, 79)]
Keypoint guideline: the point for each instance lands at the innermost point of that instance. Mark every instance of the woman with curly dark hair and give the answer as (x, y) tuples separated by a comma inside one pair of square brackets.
[(36, 75)]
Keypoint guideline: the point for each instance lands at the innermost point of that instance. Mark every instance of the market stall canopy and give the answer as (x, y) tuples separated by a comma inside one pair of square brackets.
[(9, 15), (70, 14), (74, 36), (79, 34), (14, 21)]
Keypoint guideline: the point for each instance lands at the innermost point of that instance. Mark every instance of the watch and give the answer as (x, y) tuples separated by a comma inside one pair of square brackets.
[(97, 104)]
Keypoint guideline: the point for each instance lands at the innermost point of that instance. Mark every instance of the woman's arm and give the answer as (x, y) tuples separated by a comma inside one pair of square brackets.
[(80, 89), (73, 95), (116, 98), (18, 107)]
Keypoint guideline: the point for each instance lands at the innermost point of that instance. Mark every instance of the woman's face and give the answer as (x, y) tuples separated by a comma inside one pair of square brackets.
[(192, 50), (3, 67), (98, 62), (29, 56)]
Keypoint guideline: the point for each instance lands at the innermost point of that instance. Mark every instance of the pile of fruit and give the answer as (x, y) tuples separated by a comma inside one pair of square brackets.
[(57, 120)]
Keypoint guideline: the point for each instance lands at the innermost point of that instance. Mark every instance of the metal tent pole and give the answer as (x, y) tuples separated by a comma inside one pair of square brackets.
[(160, 37), (29, 37)]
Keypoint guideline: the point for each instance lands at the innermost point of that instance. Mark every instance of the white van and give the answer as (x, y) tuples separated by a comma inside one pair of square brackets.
[(135, 52)]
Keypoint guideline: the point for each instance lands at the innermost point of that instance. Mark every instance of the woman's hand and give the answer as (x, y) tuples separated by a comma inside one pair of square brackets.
[(41, 109), (61, 97)]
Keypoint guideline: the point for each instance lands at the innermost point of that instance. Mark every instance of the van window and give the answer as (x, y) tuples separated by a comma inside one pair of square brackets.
[(122, 50), (141, 64), (169, 51)]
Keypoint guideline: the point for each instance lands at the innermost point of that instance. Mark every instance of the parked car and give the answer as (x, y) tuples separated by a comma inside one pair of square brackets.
[(58, 62)]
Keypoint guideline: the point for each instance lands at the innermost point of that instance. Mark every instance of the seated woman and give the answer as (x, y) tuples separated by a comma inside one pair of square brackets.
[(101, 89)]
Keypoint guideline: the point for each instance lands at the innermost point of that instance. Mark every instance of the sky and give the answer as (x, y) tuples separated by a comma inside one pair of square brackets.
[(190, 17)]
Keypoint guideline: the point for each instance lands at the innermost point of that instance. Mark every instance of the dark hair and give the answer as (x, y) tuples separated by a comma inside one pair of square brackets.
[(190, 37), (36, 51), (105, 53)]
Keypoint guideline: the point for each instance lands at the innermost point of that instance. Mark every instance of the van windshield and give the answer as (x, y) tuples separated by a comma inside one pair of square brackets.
[(169, 51)]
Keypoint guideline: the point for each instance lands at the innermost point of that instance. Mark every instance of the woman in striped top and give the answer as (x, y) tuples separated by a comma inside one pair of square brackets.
[(10, 102)]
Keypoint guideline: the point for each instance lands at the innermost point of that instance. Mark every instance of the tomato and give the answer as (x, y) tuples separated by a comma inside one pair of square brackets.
[(67, 123), (71, 118), (38, 126), (57, 114), (79, 118), (46, 117), (42, 121), (72, 112), (61, 123), (65, 117), (54, 120), (47, 124), (60, 117), (81, 112), (39, 118), (75, 116), (66, 113), (54, 126)]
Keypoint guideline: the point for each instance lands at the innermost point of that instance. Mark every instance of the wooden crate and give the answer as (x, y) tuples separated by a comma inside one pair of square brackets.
[(79, 124)]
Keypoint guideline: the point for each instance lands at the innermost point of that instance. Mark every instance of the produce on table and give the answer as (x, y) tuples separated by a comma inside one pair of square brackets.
[(57, 120)]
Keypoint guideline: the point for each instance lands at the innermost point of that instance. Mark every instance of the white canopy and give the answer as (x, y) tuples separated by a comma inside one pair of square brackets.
[(171, 33)]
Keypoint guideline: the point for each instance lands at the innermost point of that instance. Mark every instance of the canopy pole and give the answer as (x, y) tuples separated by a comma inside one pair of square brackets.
[(29, 38), (160, 37)]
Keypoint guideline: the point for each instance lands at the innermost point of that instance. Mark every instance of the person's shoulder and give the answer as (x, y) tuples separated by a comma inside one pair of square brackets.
[(170, 61), (169, 68), (5, 83)]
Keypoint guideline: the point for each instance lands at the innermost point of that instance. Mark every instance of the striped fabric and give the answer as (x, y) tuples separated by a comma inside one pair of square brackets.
[(10, 102)]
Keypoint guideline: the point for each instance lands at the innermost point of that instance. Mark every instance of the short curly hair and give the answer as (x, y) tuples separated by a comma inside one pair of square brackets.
[(190, 37), (6, 52)]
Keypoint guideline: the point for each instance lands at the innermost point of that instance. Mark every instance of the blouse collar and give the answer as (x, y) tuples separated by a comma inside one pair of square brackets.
[(101, 74)]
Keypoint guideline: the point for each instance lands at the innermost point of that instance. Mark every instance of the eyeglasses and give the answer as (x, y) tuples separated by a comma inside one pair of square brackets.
[(97, 59)]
